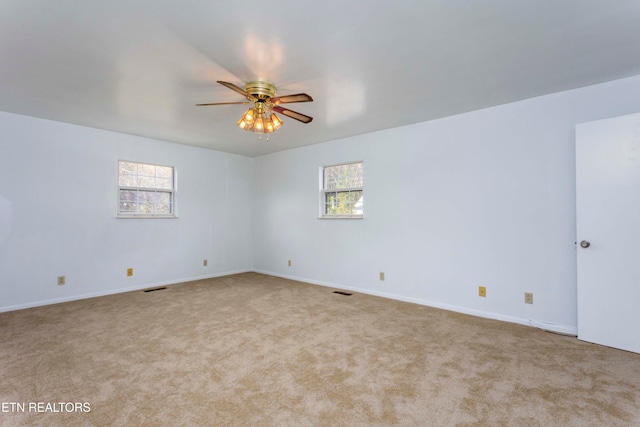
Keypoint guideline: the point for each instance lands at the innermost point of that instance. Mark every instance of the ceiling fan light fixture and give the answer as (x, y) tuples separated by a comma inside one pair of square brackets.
[(258, 125), (277, 123), (250, 115), (268, 125), (247, 120), (242, 123)]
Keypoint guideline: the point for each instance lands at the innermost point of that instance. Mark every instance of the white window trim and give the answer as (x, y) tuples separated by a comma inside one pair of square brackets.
[(173, 191), (322, 196)]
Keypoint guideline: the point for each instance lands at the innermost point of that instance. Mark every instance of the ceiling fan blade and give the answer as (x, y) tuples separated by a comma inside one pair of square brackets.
[(237, 89), (287, 99), (223, 103), (293, 114)]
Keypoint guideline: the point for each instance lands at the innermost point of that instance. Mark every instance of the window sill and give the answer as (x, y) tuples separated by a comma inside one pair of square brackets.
[(146, 217), (341, 217)]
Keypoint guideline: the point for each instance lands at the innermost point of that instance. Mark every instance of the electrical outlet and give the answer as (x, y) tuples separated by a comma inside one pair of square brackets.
[(129, 272), (528, 298), (62, 280), (482, 291), (382, 276), (289, 263), (205, 263)]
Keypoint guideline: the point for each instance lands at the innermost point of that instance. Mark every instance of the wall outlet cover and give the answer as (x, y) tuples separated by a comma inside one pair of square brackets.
[(528, 298)]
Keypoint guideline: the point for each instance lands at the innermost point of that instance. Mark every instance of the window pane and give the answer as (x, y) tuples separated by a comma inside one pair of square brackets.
[(342, 189), (145, 208), (128, 201), (148, 179), (337, 177), (343, 176), (164, 171), (146, 196), (358, 208), (128, 196), (165, 183), (356, 174), (146, 170), (144, 175), (343, 203), (330, 204), (128, 168), (146, 182), (163, 203), (128, 207), (354, 196), (128, 180)]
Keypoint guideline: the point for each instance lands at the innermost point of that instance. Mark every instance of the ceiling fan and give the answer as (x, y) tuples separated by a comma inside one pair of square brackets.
[(261, 118)]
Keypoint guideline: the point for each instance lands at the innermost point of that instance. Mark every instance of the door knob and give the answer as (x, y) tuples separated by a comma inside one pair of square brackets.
[(585, 244)]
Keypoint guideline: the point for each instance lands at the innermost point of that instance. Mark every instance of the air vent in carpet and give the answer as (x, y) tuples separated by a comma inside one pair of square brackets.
[(156, 289), (342, 293)]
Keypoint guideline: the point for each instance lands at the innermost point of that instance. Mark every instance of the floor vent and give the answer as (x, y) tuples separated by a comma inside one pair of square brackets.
[(156, 289), (342, 293)]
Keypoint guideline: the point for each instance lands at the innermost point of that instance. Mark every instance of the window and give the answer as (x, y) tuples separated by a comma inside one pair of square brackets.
[(145, 190), (342, 191)]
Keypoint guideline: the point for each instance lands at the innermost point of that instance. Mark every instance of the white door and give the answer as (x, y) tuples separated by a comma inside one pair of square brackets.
[(608, 231)]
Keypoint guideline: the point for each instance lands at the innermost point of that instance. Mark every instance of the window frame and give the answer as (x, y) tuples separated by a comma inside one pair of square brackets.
[(172, 193), (324, 191)]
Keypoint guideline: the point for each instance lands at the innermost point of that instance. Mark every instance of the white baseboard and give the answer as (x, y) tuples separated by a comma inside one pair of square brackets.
[(116, 291), (552, 327), (547, 326)]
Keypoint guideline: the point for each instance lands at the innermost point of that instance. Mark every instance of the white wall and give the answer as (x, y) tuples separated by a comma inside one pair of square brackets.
[(486, 197), (483, 198), (57, 214)]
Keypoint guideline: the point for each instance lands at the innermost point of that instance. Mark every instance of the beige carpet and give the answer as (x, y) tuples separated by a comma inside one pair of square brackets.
[(254, 350)]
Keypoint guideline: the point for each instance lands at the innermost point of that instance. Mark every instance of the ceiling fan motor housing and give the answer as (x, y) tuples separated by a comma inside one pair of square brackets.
[(260, 90)]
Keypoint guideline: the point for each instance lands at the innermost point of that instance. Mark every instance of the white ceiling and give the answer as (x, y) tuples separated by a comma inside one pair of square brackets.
[(139, 67)]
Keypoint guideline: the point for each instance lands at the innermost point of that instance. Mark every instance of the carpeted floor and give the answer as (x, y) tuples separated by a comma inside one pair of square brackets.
[(255, 350)]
